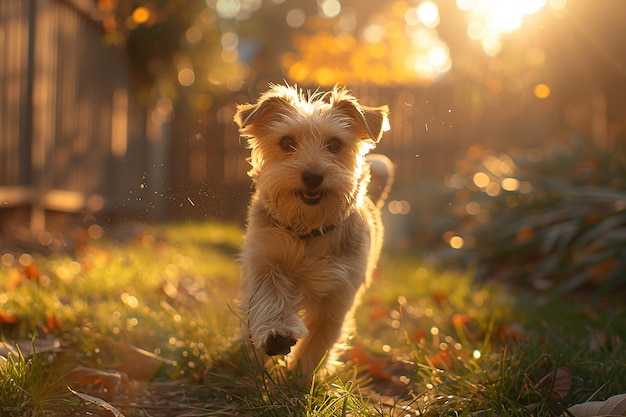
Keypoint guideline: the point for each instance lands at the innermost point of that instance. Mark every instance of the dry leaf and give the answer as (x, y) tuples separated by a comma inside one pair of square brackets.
[(6, 318), (138, 363), (375, 366), (97, 381), (97, 401), (441, 360), (557, 383), (613, 406)]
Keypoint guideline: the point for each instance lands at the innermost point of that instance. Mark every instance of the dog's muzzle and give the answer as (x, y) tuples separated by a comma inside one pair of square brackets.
[(312, 179)]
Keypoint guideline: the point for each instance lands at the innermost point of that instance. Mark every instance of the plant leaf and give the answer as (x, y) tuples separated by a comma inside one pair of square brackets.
[(612, 407)]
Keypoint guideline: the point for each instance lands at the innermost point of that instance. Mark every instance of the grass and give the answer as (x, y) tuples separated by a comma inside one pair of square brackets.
[(149, 326)]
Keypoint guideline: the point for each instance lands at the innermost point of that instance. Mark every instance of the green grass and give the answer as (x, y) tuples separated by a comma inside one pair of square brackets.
[(150, 327)]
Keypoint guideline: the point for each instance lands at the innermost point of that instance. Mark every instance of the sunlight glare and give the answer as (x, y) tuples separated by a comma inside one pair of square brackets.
[(558, 4), (488, 20)]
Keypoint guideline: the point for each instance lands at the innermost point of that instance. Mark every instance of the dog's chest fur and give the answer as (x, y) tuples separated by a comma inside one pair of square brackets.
[(316, 265)]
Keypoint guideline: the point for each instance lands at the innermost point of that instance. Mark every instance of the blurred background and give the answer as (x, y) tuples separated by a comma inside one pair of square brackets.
[(508, 117)]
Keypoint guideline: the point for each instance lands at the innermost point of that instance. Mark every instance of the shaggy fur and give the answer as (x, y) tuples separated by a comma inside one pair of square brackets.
[(314, 234)]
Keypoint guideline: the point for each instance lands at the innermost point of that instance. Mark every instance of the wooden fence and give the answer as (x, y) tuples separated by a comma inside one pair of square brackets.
[(73, 137)]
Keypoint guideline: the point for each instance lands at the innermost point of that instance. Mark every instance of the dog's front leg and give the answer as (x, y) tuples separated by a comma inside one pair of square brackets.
[(327, 322), (269, 300)]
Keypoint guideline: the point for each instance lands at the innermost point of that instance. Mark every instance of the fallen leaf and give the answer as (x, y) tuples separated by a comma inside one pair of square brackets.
[(97, 401), (52, 323), (138, 363), (441, 360), (418, 336), (511, 333), (375, 366), (6, 318), (459, 320), (98, 381), (378, 313), (557, 383), (14, 279), (598, 341), (32, 272), (440, 296), (613, 406)]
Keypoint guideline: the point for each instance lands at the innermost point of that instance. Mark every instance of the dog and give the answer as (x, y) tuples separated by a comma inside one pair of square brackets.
[(314, 232)]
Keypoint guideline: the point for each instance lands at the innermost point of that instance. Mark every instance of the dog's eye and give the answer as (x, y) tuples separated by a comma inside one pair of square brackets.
[(334, 145), (287, 143)]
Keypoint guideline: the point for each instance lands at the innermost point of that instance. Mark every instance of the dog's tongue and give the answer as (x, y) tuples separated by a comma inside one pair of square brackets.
[(312, 195)]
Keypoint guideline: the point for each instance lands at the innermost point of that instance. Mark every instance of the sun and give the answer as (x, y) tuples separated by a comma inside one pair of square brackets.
[(488, 20)]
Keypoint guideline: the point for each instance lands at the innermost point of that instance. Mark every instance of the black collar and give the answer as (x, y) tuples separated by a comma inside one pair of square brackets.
[(313, 233), (316, 232)]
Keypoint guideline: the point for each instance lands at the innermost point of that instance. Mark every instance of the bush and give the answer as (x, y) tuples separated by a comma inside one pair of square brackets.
[(553, 219)]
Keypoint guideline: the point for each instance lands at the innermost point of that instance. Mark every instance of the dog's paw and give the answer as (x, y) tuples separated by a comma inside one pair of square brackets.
[(278, 344)]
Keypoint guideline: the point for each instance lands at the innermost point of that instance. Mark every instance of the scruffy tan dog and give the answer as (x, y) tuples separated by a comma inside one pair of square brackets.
[(314, 232)]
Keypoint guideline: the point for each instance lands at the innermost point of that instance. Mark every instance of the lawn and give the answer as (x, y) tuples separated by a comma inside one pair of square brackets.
[(145, 323)]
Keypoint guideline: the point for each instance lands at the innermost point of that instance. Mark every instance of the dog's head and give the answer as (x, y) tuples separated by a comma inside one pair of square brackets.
[(308, 153)]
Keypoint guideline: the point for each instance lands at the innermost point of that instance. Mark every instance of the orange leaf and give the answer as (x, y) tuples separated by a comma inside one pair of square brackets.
[(440, 296), (524, 234), (32, 272), (15, 279), (441, 360), (375, 365), (6, 318), (52, 323), (419, 335), (379, 313), (460, 319)]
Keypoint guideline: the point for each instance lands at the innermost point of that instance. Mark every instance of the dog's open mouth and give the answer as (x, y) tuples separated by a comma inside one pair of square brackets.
[(311, 197)]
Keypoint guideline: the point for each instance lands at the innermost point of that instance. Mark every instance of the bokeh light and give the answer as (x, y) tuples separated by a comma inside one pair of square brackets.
[(456, 242), (330, 8), (542, 91), (186, 77), (428, 14), (141, 15), (396, 44), (481, 179), (295, 18)]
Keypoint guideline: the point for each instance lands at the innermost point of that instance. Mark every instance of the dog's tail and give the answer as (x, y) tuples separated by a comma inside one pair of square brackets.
[(381, 178)]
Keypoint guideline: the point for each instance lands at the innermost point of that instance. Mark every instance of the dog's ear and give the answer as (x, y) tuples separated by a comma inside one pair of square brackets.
[(372, 120), (376, 121), (249, 113), (277, 100)]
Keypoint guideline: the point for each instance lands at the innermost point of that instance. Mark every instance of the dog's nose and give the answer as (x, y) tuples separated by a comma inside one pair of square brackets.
[(312, 178)]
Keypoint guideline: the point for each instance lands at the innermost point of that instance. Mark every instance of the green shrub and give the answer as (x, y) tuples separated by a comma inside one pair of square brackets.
[(553, 219)]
